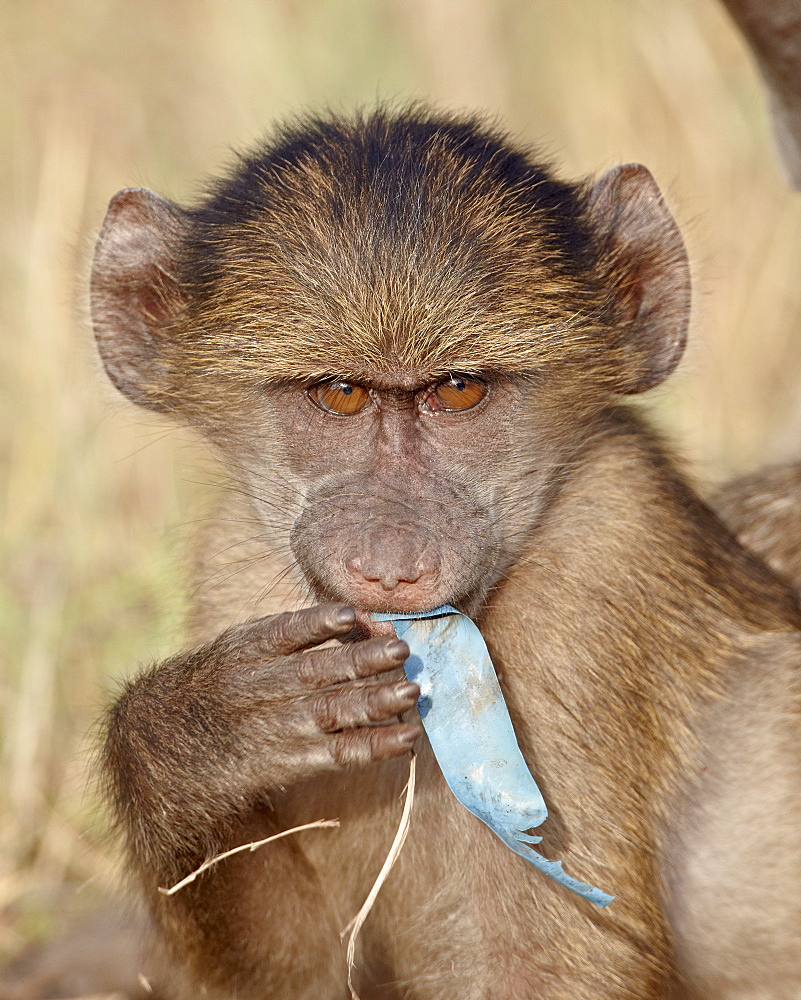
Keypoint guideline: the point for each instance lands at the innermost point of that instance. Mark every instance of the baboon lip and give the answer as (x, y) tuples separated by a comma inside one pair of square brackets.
[(369, 628)]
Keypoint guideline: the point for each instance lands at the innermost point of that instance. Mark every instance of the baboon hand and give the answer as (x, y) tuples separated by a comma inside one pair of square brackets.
[(316, 708)]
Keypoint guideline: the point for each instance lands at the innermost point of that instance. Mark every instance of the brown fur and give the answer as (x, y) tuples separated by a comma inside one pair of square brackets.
[(649, 662), (764, 511)]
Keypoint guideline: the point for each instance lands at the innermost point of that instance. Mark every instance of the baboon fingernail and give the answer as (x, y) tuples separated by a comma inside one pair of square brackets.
[(345, 616)]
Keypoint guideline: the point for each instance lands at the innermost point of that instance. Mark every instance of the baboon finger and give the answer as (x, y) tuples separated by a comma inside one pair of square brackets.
[(348, 707), (362, 746), (356, 660), (293, 631)]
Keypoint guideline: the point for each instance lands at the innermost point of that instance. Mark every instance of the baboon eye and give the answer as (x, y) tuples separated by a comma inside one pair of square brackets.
[(342, 398), (456, 393)]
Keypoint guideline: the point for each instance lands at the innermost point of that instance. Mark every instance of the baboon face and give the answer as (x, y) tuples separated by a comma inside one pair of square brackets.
[(402, 487), (400, 494), (397, 330)]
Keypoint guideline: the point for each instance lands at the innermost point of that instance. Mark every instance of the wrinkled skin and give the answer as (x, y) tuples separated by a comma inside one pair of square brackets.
[(323, 701), (386, 511)]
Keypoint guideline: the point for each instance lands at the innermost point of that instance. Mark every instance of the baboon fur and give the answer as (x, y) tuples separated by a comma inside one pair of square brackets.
[(650, 663)]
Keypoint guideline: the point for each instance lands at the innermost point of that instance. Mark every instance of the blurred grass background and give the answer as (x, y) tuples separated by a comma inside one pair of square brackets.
[(96, 499)]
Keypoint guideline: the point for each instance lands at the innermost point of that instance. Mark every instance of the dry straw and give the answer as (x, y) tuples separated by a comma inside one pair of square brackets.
[(252, 846), (355, 925), (397, 844)]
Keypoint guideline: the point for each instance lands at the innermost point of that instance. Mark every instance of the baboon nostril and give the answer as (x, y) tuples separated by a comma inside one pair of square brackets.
[(387, 576), (390, 560)]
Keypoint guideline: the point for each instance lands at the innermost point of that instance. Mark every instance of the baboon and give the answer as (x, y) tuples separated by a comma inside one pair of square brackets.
[(773, 33), (411, 343), (764, 512)]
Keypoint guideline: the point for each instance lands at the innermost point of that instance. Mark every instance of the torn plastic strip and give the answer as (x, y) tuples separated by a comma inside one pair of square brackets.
[(467, 722)]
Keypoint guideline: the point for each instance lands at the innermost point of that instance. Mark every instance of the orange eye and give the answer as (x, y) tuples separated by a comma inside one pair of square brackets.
[(457, 393), (341, 398)]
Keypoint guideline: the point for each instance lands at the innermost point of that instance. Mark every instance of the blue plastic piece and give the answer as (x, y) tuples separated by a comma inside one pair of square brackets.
[(465, 716)]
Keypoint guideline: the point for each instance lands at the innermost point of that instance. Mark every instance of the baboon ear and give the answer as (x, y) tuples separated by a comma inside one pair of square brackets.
[(135, 293), (647, 274)]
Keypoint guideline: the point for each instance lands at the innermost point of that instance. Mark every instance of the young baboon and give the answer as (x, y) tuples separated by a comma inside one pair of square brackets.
[(410, 344)]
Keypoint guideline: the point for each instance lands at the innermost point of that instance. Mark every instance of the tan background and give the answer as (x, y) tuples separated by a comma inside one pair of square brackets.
[(96, 498)]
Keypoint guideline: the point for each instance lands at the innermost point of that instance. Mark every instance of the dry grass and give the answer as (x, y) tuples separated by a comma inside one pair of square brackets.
[(101, 94)]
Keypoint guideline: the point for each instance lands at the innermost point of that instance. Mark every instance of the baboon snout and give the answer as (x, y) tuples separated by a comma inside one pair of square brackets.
[(385, 562)]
